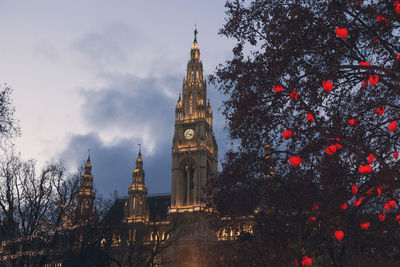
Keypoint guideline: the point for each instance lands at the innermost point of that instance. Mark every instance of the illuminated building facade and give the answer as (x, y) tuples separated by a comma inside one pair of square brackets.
[(181, 217), (194, 162)]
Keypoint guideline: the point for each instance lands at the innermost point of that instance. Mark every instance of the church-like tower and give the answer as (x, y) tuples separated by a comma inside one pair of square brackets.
[(86, 195), (136, 207), (194, 149)]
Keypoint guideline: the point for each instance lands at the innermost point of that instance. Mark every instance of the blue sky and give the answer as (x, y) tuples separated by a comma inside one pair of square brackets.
[(106, 75)]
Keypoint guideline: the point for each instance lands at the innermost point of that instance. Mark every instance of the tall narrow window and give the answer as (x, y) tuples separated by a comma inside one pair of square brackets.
[(190, 105), (191, 179), (188, 184), (185, 184)]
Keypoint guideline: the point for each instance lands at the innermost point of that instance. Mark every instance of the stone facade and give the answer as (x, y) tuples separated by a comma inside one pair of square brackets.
[(181, 216)]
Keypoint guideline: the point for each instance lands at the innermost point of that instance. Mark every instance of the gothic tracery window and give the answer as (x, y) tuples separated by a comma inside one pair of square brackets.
[(188, 183), (190, 104)]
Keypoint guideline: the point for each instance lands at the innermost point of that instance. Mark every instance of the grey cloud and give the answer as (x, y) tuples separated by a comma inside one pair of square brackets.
[(131, 103), (112, 45)]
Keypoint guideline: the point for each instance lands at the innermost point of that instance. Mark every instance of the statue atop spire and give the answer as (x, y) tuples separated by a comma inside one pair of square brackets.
[(195, 34), (195, 38)]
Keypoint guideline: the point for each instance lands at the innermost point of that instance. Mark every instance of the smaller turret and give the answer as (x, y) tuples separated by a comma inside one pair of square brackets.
[(136, 207), (86, 195)]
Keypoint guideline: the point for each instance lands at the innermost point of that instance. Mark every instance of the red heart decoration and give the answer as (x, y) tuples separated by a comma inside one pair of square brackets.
[(398, 218), (315, 206), (354, 189), (306, 261), (343, 206), (373, 80), (330, 150), (338, 146), (353, 122), (392, 126), (380, 110), (365, 169), (369, 192), (365, 64), (387, 206), (398, 57), (341, 32), (371, 158), (357, 203), (392, 203), (278, 88), (295, 161), (310, 117), (379, 190), (339, 235), (382, 20), (365, 225), (312, 219), (396, 154), (327, 85), (382, 217), (294, 95), (287, 134), (364, 83), (396, 5)]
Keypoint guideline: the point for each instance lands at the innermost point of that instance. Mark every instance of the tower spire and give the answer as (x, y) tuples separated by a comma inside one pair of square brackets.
[(194, 149), (136, 205), (139, 161), (195, 34), (88, 166), (88, 158), (86, 194)]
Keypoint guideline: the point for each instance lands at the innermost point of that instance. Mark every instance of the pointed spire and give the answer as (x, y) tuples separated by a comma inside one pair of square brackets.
[(195, 38), (195, 34), (88, 158), (88, 166), (139, 161)]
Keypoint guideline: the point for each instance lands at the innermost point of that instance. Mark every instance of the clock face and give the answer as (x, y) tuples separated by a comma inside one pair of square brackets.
[(189, 134)]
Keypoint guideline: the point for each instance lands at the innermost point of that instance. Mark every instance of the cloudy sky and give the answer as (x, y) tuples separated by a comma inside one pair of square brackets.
[(106, 75)]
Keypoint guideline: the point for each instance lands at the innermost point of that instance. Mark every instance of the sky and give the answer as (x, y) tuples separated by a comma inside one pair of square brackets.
[(105, 76)]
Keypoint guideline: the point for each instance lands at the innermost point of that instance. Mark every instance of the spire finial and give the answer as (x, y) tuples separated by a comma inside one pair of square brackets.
[(195, 34), (88, 167), (139, 161)]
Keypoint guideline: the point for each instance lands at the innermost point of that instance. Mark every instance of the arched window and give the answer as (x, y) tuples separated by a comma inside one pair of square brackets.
[(188, 183), (190, 104)]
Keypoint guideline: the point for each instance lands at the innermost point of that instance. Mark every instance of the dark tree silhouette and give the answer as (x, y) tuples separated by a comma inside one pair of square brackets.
[(8, 125), (313, 100)]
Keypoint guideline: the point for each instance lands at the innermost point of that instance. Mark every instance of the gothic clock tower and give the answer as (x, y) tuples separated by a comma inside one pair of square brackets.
[(194, 149)]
